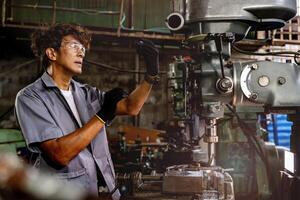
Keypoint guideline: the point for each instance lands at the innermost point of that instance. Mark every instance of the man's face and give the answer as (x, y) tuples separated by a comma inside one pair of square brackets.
[(70, 55)]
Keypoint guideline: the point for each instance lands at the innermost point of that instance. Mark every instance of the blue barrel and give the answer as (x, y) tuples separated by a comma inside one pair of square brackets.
[(279, 130)]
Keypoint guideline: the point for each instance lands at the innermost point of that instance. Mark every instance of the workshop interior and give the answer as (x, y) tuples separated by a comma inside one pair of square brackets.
[(220, 125)]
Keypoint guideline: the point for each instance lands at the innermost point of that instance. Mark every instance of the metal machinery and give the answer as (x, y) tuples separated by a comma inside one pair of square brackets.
[(207, 82)]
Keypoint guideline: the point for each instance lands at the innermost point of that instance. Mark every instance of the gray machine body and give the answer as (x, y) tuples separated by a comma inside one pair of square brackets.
[(211, 80), (204, 17), (267, 83), (237, 16)]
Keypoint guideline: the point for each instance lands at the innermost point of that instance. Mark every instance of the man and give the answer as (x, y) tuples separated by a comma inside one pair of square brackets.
[(64, 121)]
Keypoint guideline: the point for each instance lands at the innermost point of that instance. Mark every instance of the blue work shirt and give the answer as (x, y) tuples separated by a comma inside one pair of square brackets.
[(42, 116)]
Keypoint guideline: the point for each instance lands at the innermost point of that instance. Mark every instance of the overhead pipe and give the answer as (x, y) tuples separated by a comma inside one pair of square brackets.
[(137, 34), (86, 11)]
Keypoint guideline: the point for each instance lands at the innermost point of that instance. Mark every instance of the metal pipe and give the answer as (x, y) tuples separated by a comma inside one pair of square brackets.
[(211, 154), (120, 19), (3, 12), (211, 138), (136, 78), (275, 130), (174, 21), (86, 11), (131, 21), (137, 34), (54, 12)]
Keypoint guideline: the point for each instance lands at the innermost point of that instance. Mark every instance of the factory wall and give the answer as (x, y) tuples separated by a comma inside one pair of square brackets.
[(141, 14), (20, 17)]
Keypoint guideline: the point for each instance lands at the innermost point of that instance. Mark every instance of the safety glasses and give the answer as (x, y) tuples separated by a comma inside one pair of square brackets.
[(75, 46)]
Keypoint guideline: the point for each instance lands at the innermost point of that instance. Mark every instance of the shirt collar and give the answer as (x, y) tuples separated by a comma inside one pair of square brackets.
[(49, 82)]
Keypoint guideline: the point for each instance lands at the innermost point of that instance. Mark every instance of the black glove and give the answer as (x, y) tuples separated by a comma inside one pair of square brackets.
[(147, 49), (111, 98)]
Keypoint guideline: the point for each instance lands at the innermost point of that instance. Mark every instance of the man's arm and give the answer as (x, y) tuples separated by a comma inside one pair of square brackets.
[(62, 150), (43, 135), (136, 99)]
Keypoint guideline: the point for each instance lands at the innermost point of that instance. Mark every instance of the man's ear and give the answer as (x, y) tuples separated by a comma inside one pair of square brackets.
[(51, 54)]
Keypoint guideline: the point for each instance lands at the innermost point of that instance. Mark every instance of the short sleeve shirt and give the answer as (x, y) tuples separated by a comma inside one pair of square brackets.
[(42, 116)]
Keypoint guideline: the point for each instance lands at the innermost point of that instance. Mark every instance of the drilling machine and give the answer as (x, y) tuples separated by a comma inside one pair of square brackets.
[(207, 81)]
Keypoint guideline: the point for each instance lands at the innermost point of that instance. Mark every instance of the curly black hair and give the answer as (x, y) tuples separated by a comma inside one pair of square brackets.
[(52, 38)]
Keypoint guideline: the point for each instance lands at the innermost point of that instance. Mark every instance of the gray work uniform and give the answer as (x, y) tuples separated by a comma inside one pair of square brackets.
[(42, 116)]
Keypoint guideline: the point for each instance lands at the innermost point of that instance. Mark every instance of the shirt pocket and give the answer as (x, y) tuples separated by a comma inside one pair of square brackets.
[(78, 177), (70, 175)]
